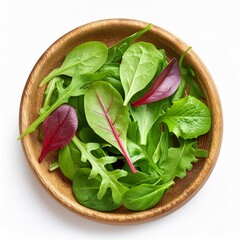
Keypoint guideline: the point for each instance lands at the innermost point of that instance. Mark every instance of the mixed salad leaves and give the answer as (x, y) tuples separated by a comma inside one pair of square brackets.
[(125, 121)]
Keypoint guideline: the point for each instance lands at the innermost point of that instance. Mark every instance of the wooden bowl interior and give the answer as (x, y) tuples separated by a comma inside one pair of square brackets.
[(109, 32)]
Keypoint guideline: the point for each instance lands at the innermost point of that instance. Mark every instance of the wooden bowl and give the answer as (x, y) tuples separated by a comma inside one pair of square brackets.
[(110, 31)]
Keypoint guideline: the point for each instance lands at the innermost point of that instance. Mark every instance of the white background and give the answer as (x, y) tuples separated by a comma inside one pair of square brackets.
[(28, 28)]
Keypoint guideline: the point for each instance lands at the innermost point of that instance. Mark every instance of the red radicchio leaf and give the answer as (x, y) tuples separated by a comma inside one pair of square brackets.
[(58, 129), (164, 86)]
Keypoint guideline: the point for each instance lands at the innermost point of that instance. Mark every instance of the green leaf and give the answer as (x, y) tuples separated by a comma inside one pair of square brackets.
[(161, 150), (107, 116), (188, 76), (144, 196), (83, 59), (116, 51), (138, 67), (134, 179), (69, 159), (74, 89), (86, 190), (142, 159), (109, 179), (179, 160), (111, 69), (146, 115), (188, 118)]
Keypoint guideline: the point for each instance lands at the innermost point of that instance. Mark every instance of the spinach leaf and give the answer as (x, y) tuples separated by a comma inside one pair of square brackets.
[(86, 190), (83, 59), (111, 69), (107, 116), (109, 179), (188, 117), (144, 196), (116, 51), (69, 160), (138, 67), (134, 179)]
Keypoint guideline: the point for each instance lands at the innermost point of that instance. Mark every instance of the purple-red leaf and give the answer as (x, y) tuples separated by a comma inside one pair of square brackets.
[(164, 86), (58, 129)]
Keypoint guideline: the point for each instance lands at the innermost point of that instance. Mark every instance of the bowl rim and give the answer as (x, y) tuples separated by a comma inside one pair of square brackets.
[(217, 128)]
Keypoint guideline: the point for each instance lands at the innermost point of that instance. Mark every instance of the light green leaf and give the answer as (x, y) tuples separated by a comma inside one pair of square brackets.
[(116, 51), (179, 160), (138, 67), (109, 178), (107, 116), (69, 159), (146, 115), (188, 118), (83, 59)]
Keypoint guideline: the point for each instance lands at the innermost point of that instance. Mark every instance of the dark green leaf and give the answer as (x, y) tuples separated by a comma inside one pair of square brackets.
[(144, 196), (86, 190)]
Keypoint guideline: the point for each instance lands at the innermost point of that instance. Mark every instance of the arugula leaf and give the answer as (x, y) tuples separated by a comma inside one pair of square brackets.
[(86, 190), (107, 116), (138, 67), (109, 178), (116, 51), (188, 117), (74, 89), (83, 59)]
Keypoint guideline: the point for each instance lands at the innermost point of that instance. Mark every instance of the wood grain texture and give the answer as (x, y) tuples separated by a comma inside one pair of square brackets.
[(110, 31)]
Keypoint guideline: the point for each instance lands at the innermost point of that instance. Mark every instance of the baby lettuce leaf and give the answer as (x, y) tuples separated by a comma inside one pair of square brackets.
[(58, 129), (188, 117), (138, 67), (109, 179), (179, 160), (146, 115), (164, 85), (144, 196), (86, 190), (107, 116), (83, 59), (116, 51)]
